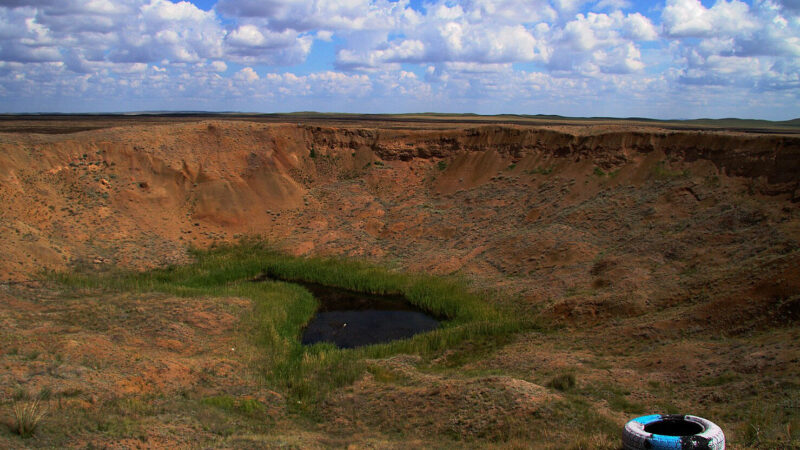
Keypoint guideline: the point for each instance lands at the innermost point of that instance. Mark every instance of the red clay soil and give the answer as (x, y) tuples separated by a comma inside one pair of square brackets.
[(590, 226)]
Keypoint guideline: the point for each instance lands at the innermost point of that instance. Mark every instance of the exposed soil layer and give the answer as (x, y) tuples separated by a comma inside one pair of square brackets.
[(670, 257), (139, 195)]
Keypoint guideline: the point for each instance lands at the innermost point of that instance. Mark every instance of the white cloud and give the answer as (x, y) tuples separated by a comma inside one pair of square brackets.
[(507, 12), (324, 35), (601, 43), (318, 84), (340, 83), (251, 36), (85, 15), (639, 28), (86, 33), (755, 47), (305, 15), (247, 74), (22, 39), (689, 18), (259, 46), (477, 68), (478, 31), (219, 66), (179, 31), (454, 42)]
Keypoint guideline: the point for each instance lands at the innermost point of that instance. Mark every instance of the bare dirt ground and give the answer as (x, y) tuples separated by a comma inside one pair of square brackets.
[(666, 262)]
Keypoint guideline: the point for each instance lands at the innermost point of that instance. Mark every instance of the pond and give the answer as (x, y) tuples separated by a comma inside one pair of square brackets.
[(350, 319)]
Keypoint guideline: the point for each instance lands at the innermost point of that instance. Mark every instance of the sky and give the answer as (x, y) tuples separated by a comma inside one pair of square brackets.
[(673, 59)]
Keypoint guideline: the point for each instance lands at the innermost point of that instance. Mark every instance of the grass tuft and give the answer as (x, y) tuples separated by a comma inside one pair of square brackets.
[(563, 382), (27, 416)]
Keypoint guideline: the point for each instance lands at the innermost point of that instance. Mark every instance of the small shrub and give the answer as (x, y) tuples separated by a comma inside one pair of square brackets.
[(441, 165), (599, 172), (313, 153), (27, 416), (562, 382)]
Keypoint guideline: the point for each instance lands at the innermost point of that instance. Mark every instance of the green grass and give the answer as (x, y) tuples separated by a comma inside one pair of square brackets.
[(247, 406), (281, 309)]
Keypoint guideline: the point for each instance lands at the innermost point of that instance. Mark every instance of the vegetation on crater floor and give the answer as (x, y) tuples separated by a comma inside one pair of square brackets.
[(281, 309)]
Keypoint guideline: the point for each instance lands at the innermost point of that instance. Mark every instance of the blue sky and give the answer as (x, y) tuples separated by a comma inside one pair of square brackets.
[(667, 59)]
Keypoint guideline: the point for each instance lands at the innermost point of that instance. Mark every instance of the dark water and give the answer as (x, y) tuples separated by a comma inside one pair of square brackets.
[(351, 319)]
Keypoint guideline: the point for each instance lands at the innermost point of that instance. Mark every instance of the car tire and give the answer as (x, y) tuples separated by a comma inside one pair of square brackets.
[(672, 432)]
